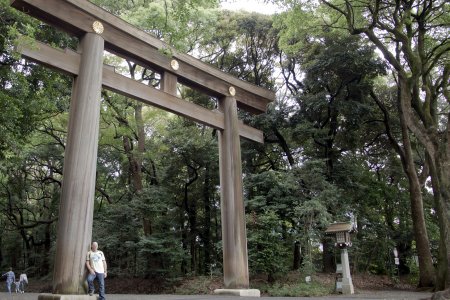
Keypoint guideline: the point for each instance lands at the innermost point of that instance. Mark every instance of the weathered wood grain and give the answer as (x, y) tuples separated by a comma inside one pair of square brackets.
[(80, 161), (234, 239)]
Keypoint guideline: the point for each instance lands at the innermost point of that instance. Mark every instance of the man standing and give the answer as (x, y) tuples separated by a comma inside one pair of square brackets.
[(96, 265), (10, 278)]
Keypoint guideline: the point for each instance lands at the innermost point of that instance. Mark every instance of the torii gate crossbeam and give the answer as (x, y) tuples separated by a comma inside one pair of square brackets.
[(125, 40), (98, 30), (68, 62)]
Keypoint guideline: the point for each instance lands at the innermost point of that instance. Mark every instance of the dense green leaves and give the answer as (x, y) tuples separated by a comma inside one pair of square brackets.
[(331, 150)]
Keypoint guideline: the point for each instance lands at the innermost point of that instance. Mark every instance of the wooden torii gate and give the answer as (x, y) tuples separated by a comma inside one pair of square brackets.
[(97, 31)]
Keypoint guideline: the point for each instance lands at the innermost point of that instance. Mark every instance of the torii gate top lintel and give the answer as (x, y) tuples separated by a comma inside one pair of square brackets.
[(77, 17)]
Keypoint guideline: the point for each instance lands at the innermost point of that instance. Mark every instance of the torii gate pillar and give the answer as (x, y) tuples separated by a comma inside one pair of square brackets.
[(234, 241), (234, 238), (78, 188)]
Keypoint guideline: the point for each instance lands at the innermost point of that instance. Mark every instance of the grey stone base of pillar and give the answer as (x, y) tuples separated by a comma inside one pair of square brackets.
[(347, 287), (66, 297), (239, 292)]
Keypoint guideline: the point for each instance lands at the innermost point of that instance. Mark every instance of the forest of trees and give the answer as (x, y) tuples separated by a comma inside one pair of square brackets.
[(359, 133)]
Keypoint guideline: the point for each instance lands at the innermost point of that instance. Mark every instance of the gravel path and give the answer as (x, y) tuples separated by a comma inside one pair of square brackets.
[(366, 295)]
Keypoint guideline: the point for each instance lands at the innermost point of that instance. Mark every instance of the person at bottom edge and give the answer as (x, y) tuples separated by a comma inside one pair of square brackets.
[(96, 265)]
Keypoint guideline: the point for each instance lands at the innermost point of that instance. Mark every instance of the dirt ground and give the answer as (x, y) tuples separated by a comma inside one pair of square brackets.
[(386, 295), (372, 282), (361, 282)]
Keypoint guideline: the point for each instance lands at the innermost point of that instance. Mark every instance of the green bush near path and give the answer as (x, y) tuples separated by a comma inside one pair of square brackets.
[(290, 288), (303, 289)]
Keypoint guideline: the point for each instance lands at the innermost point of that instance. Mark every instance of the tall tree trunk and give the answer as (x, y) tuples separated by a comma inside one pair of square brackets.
[(206, 234), (426, 270), (423, 81), (284, 145), (297, 256), (443, 171), (184, 236), (45, 268), (329, 264), (1, 252), (442, 212), (443, 190), (134, 167), (191, 211), (137, 162)]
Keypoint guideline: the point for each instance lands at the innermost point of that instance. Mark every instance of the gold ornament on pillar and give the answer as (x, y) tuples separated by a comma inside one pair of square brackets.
[(98, 27), (232, 91), (174, 64)]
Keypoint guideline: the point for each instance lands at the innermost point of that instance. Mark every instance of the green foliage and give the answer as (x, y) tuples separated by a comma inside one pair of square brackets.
[(25, 88), (265, 243), (293, 34), (413, 276), (308, 267), (164, 247), (326, 156), (303, 289), (244, 45), (33, 101), (29, 194), (180, 23), (285, 207)]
